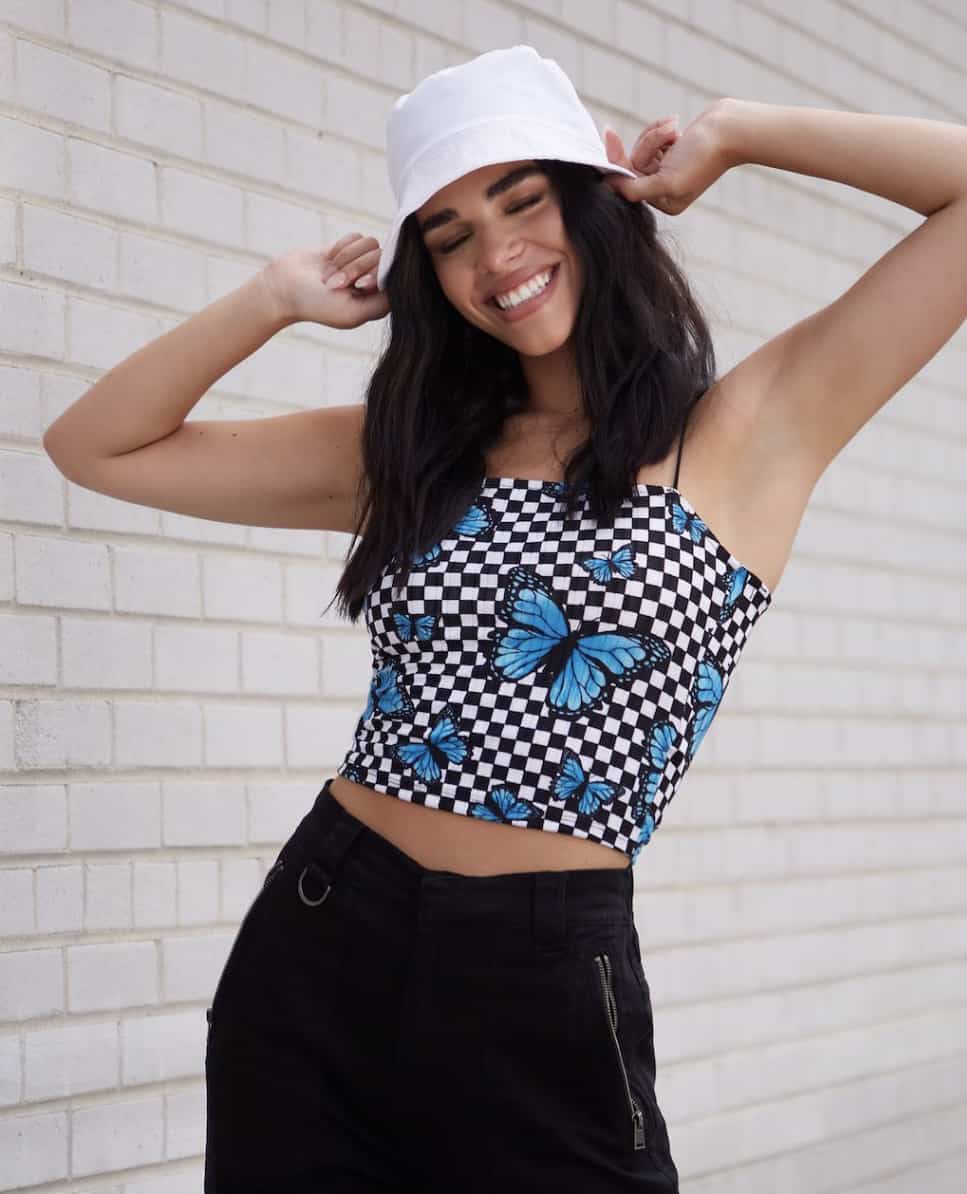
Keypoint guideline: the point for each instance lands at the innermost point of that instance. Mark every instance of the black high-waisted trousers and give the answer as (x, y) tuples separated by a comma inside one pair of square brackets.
[(380, 1027)]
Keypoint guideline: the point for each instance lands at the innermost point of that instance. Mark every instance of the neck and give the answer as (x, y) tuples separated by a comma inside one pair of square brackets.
[(554, 393)]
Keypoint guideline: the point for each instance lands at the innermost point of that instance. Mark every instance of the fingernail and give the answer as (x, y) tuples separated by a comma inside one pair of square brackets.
[(365, 280), (336, 281)]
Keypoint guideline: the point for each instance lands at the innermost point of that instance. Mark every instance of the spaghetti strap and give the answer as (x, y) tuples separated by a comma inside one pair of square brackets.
[(681, 440)]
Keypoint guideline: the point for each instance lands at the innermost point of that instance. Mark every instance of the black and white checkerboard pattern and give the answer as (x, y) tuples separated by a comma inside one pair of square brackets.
[(678, 593)]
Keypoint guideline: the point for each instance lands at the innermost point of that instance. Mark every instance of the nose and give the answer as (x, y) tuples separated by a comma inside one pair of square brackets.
[(497, 251)]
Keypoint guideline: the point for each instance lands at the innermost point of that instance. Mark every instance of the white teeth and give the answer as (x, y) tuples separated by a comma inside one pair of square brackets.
[(514, 297)]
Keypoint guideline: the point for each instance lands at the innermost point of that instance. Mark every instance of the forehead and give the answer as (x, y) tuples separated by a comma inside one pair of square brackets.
[(470, 185)]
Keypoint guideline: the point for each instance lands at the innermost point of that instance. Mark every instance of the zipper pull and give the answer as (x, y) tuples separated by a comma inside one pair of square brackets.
[(639, 1118)]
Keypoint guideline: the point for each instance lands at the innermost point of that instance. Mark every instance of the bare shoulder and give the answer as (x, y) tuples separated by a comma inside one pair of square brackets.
[(741, 472)]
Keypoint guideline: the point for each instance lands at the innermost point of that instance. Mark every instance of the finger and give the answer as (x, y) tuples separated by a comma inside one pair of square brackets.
[(336, 246), (353, 270), (344, 256), (353, 261)]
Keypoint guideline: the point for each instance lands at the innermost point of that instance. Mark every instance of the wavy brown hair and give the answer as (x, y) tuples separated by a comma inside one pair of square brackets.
[(442, 388)]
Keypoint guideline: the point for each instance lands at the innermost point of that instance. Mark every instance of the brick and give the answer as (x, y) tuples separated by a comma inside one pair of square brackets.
[(28, 649), (357, 108), (63, 733), (112, 183), (159, 117), (8, 232), (77, 250), (117, 29), (16, 915), (320, 735), (192, 965), (34, 1147), (197, 658), (185, 1122), (10, 1085), (71, 1059), (287, 85), (155, 894), (346, 665), (63, 573), (275, 227), (34, 819), (102, 335), (60, 85), (325, 29), (158, 733), (107, 897), (60, 899), (158, 1048), (323, 166), (283, 664), (31, 984), (487, 24), (204, 814), (202, 207), (198, 52), (36, 16), (370, 45), (242, 588), (157, 582), (31, 321), (117, 1135), (111, 975), (161, 272), (243, 735), (244, 143), (20, 408)]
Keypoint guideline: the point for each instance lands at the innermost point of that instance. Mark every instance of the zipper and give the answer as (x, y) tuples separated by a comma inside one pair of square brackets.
[(270, 874), (603, 963)]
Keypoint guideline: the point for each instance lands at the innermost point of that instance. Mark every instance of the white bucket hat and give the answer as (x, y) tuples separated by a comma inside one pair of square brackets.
[(502, 106)]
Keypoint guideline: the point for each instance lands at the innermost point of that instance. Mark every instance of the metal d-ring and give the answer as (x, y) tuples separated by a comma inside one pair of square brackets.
[(302, 895)]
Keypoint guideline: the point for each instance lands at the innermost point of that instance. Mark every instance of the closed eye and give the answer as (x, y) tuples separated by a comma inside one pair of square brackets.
[(510, 211)]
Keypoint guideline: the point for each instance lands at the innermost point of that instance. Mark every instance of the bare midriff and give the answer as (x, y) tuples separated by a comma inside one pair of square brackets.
[(446, 841)]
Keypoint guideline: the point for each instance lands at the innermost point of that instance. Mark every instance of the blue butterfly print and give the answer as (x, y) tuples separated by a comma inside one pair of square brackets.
[(414, 626), (479, 520), (554, 489), (735, 582), (604, 569), (683, 521), (352, 771), (571, 663), (501, 804), (476, 522), (661, 740), (387, 694), (707, 690), (441, 745), (574, 783)]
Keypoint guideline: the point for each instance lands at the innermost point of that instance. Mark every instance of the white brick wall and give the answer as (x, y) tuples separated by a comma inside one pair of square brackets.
[(171, 695)]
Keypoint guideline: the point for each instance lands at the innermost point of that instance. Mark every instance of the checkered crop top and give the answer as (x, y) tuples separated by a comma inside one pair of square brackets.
[(551, 674)]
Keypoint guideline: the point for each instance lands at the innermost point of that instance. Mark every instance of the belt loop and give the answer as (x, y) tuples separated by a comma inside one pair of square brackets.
[(550, 911), (337, 834)]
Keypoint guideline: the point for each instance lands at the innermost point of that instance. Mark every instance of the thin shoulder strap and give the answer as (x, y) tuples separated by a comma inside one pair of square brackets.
[(681, 440)]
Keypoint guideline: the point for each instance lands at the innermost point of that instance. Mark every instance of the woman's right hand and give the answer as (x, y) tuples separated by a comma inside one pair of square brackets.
[(299, 280)]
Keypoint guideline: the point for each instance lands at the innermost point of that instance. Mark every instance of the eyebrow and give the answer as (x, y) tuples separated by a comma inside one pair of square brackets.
[(495, 189)]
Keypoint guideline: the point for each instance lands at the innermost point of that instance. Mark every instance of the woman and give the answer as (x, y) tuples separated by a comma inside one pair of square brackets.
[(426, 1002)]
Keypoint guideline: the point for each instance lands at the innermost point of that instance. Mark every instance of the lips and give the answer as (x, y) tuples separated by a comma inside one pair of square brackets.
[(492, 301), (534, 274)]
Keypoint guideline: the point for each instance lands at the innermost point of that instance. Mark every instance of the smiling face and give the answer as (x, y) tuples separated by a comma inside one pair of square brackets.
[(493, 229)]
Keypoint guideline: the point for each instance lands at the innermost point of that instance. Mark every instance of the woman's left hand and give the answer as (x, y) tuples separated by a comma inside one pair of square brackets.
[(673, 167)]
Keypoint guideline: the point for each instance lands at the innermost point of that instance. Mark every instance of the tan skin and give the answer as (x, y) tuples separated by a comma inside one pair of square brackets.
[(492, 242)]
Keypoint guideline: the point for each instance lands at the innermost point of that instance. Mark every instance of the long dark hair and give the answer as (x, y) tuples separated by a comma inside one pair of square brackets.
[(442, 388)]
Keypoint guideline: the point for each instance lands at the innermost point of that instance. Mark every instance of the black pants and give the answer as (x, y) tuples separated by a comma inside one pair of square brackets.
[(380, 1026)]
